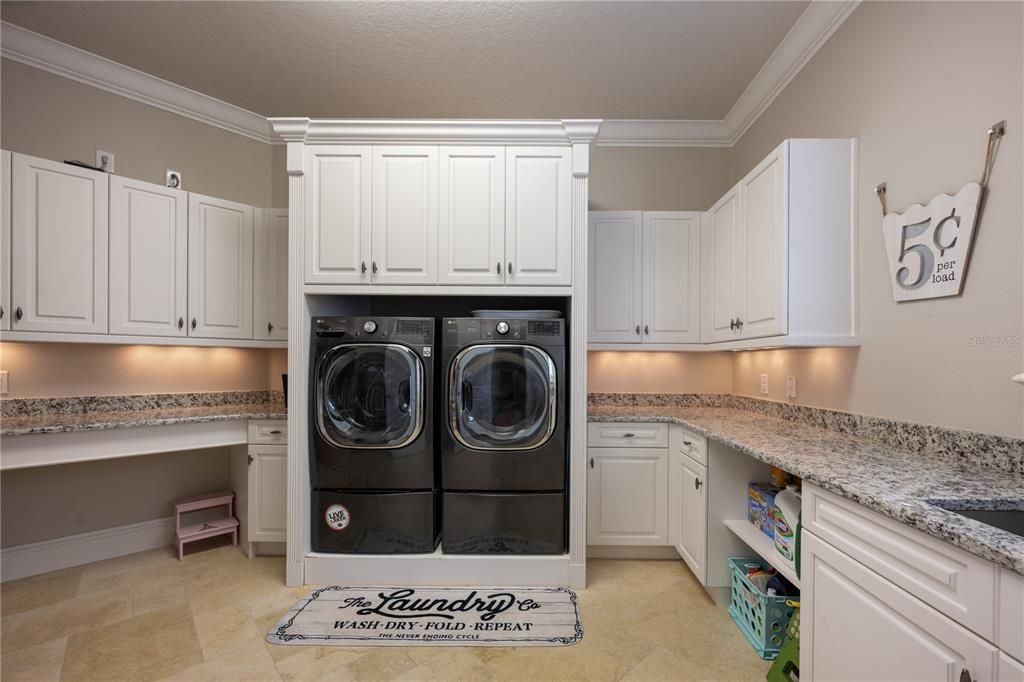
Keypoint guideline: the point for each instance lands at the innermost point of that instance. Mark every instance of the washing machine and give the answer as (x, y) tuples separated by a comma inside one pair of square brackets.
[(372, 444), (504, 440)]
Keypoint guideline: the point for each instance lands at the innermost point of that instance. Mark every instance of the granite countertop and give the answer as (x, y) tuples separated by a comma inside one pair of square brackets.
[(92, 413), (893, 481)]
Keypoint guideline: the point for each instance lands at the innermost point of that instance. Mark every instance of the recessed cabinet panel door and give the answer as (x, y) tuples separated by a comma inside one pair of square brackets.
[(626, 500), (270, 274), (763, 249), (59, 247), (148, 259), (268, 482), (338, 215), (613, 277), (220, 246), (693, 529), (404, 215), (856, 625), (5, 240), (719, 289), (538, 227), (671, 270), (471, 241)]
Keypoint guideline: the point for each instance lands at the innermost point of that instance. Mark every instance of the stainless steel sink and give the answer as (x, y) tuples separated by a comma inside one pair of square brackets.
[(1010, 520)]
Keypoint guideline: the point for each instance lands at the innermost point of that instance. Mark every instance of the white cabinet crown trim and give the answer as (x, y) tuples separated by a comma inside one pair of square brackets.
[(439, 131)]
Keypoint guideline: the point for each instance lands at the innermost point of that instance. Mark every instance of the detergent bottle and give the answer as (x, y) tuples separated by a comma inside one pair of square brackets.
[(787, 522)]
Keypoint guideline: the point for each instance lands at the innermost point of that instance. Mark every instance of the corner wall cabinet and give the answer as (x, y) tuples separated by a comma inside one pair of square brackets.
[(176, 267), (644, 277), (430, 215)]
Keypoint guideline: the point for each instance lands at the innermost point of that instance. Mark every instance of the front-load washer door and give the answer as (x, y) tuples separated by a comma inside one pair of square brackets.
[(370, 395), (502, 397)]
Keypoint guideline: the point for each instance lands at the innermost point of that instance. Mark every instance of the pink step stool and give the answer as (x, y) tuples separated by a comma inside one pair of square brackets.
[(206, 529)]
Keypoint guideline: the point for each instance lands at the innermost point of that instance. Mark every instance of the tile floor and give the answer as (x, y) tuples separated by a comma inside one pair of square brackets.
[(148, 616)]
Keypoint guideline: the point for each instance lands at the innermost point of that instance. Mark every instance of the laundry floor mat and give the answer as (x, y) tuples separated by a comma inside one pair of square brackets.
[(432, 616)]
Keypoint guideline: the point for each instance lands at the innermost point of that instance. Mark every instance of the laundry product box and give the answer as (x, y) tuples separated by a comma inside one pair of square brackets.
[(761, 506)]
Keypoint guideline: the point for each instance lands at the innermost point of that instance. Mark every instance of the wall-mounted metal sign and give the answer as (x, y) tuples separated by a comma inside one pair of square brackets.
[(929, 246)]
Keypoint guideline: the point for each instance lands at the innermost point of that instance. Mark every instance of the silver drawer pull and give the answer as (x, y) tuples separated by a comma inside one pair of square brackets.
[(628, 435), (275, 432), (687, 442)]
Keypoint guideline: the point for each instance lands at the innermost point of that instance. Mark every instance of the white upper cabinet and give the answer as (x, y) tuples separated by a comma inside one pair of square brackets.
[(59, 247), (762, 249), (5, 240), (148, 259), (779, 249), (671, 274), (614, 277), (270, 274), (404, 215), (338, 214), (471, 239), (644, 277), (719, 265), (220, 246), (538, 224)]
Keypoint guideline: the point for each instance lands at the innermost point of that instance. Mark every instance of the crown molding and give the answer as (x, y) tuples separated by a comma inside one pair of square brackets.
[(817, 23), (34, 49), (435, 131)]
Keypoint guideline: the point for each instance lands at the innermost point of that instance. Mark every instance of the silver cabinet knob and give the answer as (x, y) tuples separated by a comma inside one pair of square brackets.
[(638, 330), (498, 267), (647, 329), (270, 327), (362, 267)]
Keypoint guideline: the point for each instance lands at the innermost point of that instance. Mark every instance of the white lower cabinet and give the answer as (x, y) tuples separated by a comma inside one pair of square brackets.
[(259, 476), (856, 625), (688, 511)]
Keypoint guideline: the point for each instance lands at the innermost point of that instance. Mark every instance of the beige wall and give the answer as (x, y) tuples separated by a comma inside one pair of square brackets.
[(918, 84), (658, 178), (617, 372), (56, 501)]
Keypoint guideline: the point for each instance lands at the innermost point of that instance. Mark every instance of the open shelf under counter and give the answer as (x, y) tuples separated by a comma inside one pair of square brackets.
[(764, 547)]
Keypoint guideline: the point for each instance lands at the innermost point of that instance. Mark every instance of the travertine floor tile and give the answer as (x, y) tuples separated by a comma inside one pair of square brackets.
[(23, 595), (39, 663)]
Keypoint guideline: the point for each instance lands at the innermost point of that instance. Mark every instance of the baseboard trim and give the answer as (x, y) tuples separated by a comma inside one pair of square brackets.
[(631, 552), (22, 561)]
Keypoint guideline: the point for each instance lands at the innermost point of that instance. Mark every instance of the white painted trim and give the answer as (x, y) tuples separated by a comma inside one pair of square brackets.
[(46, 449), (811, 30), (632, 552), (768, 342), (123, 339), (22, 561), (433, 290), (39, 51)]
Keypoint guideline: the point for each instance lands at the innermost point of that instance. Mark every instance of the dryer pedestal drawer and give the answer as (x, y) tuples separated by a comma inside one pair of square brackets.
[(503, 523), (360, 522)]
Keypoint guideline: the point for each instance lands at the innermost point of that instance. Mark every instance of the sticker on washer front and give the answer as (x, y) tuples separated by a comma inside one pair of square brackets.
[(427, 350), (337, 517)]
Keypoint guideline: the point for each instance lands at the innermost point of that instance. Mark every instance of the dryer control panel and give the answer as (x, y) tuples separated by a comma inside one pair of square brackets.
[(459, 331)]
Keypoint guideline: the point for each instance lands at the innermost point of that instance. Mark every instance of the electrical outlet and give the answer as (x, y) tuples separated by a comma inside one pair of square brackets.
[(790, 387), (3, 383), (764, 384), (105, 161)]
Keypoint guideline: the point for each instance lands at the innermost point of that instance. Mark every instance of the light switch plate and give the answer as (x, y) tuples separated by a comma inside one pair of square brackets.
[(3, 383), (790, 387), (764, 384)]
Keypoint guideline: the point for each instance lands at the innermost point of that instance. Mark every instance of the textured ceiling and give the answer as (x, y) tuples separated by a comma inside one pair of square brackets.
[(672, 60)]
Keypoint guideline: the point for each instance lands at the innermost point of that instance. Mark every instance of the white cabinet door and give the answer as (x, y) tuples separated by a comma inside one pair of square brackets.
[(762, 249), (220, 283), (719, 288), (471, 239), (613, 277), (337, 214), (5, 240), (270, 274), (148, 259), (627, 496), (58, 247), (693, 528), (671, 274), (404, 243), (538, 224), (856, 625), (268, 488)]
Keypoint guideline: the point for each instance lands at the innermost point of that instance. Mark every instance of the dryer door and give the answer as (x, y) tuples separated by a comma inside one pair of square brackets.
[(502, 397), (370, 395)]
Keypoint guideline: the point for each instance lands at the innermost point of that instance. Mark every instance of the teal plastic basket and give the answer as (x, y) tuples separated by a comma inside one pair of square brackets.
[(761, 617)]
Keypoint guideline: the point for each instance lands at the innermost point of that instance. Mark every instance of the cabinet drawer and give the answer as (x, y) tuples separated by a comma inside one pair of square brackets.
[(268, 431), (954, 582), (627, 435), (1010, 637), (689, 443)]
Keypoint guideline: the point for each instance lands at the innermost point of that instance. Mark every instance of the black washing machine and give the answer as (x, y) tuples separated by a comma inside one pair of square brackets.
[(503, 445), (372, 444)]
